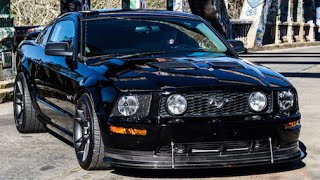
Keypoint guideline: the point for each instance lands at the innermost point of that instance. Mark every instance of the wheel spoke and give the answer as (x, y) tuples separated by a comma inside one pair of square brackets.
[(82, 141), (79, 121), (79, 140), (87, 114), (82, 138), (19, 115), (79, 154), (18, 102), (85, 151), (18, 112), (81, 115), (19, 95), (20, 87), (86, 138), (81, 146)]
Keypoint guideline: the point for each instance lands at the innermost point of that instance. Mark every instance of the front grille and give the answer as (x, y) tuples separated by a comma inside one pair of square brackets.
[(218, 148), (198, 104)]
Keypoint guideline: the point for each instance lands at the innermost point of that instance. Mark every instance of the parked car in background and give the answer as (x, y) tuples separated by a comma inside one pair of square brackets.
[(153, 90)]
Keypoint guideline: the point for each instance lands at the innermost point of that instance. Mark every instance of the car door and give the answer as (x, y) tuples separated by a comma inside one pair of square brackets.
[(53, 77)]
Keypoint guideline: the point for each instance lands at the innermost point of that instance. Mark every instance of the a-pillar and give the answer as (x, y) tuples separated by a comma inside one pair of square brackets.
[(300, 20), (289, 21)]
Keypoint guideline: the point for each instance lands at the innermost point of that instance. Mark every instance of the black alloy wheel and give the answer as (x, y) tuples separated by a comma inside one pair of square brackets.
[(88, 144), (82, 132), (25, 115)]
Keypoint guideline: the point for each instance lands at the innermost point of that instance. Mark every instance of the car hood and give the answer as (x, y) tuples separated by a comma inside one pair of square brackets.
[(155, 74)]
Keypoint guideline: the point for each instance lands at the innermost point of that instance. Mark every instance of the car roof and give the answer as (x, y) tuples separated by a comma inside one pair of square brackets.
[(128, 12)]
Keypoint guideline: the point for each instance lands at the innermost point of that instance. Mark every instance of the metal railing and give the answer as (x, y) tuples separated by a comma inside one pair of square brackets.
[(240, 29), (310, 33)]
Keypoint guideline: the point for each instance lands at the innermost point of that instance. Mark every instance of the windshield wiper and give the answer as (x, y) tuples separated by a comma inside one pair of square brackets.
[(160, 52), (142, 54), (113, 56), (101, 56)]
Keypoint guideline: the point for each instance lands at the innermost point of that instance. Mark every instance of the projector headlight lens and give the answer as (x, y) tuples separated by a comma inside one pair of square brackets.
[(128, 105), (285, 99), (177, 104), (258, 101)]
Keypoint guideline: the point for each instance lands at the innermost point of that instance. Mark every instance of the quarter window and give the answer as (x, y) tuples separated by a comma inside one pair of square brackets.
[(63, 31), (43, 38)]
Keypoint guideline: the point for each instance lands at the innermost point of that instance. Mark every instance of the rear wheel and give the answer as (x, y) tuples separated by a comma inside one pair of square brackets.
[(88, 143), (24, 113)]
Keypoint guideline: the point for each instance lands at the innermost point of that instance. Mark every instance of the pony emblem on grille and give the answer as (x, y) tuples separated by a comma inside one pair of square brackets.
[(219, 102)]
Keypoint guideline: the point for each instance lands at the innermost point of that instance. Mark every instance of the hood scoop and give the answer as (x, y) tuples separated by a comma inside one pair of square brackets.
[(172, 65), (225, 65)]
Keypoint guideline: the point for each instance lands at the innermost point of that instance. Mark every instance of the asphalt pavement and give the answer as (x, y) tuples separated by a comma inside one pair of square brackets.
[(44, 156)]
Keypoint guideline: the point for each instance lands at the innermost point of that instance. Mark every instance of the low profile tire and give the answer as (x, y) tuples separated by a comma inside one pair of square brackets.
[(88, 143), (24, 113)]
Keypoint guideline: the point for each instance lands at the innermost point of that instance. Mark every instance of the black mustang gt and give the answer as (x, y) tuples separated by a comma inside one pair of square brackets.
[(153, 89)]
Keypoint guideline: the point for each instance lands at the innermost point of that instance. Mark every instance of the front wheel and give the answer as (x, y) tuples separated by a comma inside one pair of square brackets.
[(88, 143)]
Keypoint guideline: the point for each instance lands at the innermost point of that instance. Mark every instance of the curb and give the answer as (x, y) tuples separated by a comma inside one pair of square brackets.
[(6, 91), (6, 84), (284, 46), (6, 95)]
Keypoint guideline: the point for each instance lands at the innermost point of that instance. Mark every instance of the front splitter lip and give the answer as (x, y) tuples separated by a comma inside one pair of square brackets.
[(132, 163)]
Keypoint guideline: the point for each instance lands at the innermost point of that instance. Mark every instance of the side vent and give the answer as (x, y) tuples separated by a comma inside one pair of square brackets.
[(225, 65), (172, 65)]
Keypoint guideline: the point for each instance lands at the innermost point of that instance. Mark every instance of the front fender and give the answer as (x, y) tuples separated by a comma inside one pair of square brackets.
[(102, 93)]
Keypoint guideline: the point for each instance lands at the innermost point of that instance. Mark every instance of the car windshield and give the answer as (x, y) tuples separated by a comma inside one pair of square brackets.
[(123, 36)]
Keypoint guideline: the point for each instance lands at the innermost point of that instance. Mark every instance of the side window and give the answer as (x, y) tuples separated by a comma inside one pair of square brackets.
[(43, 38), (40, 36), (64, 31)]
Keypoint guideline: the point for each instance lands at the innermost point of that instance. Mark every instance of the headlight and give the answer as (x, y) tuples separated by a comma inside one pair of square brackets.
[(128, 105), (132, 105), (176, 104), (285, 100), (258, 101)]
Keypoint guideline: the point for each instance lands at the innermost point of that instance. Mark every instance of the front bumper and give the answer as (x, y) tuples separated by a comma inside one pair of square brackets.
[(173, 159), (203, 144)]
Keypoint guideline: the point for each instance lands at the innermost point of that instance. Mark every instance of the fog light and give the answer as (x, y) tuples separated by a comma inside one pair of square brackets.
[(128, 131), (176, 104), (128, 105), (258, 101), (292, 124)]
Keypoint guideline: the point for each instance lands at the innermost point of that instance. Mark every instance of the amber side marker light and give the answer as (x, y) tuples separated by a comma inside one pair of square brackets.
[(128, 131), (292, 124)]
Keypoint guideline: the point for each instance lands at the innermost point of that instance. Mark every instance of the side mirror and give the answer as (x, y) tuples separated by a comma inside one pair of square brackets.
[(237, 45), (58, 49)]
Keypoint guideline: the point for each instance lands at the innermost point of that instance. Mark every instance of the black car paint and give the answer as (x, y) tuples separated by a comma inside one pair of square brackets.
[(57, 82)]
